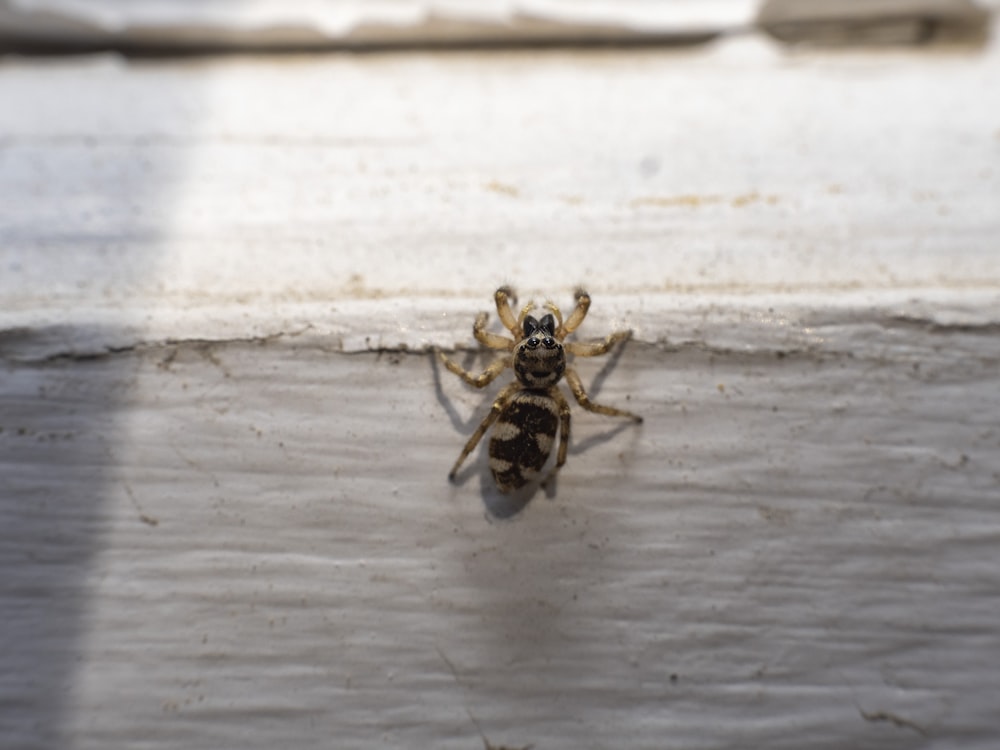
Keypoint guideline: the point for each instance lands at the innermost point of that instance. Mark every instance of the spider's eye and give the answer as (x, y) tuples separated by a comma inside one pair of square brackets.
[(549, 342), (532, 343)]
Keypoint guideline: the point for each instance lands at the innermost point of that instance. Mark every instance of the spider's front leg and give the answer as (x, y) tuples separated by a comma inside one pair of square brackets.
[(498, 406), (492, 340), (599, 347), (479, 381)]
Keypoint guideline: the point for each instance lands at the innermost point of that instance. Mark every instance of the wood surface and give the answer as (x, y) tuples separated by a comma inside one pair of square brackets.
[(224, 513)]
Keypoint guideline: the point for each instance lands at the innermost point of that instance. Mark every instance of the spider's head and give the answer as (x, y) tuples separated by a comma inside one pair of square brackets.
[(539, 358)]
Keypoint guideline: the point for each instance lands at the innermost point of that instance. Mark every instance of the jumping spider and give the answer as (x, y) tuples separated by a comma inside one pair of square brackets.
[(527, 411)]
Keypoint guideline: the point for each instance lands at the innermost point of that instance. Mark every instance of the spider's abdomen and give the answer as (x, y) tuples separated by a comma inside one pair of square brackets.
[(522, 439)]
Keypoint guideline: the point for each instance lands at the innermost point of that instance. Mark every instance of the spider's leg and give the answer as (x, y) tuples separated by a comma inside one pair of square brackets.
[(596, 348), (576, 317), (492, 340), (564, 419), (479, 381), (498, 406), (502, 297), (584, 400)]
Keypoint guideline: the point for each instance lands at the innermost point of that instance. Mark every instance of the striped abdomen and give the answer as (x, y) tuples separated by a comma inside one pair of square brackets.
[(522, 439)]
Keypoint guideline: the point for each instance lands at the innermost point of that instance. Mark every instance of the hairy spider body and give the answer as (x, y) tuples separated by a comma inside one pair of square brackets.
[(522, 439), (527, 413)]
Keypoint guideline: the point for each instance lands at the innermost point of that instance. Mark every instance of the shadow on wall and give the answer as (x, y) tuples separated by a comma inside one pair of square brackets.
[(84, 199), (57, 436)]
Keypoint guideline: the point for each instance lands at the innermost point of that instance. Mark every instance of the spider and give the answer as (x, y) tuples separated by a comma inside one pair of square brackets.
[(527, 412)]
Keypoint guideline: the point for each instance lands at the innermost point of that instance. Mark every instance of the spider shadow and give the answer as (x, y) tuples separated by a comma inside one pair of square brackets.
[(605, 436), (498, 505)]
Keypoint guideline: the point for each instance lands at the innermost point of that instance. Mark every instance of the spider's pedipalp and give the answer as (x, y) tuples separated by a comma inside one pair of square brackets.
[(521, 317), (550, 306)]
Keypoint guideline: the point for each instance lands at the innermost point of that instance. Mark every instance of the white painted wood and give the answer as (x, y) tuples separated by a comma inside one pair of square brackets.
[(224, 518), (311, 24)]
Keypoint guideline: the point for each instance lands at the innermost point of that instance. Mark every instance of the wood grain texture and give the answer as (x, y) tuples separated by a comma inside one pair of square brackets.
[(252, 543)]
